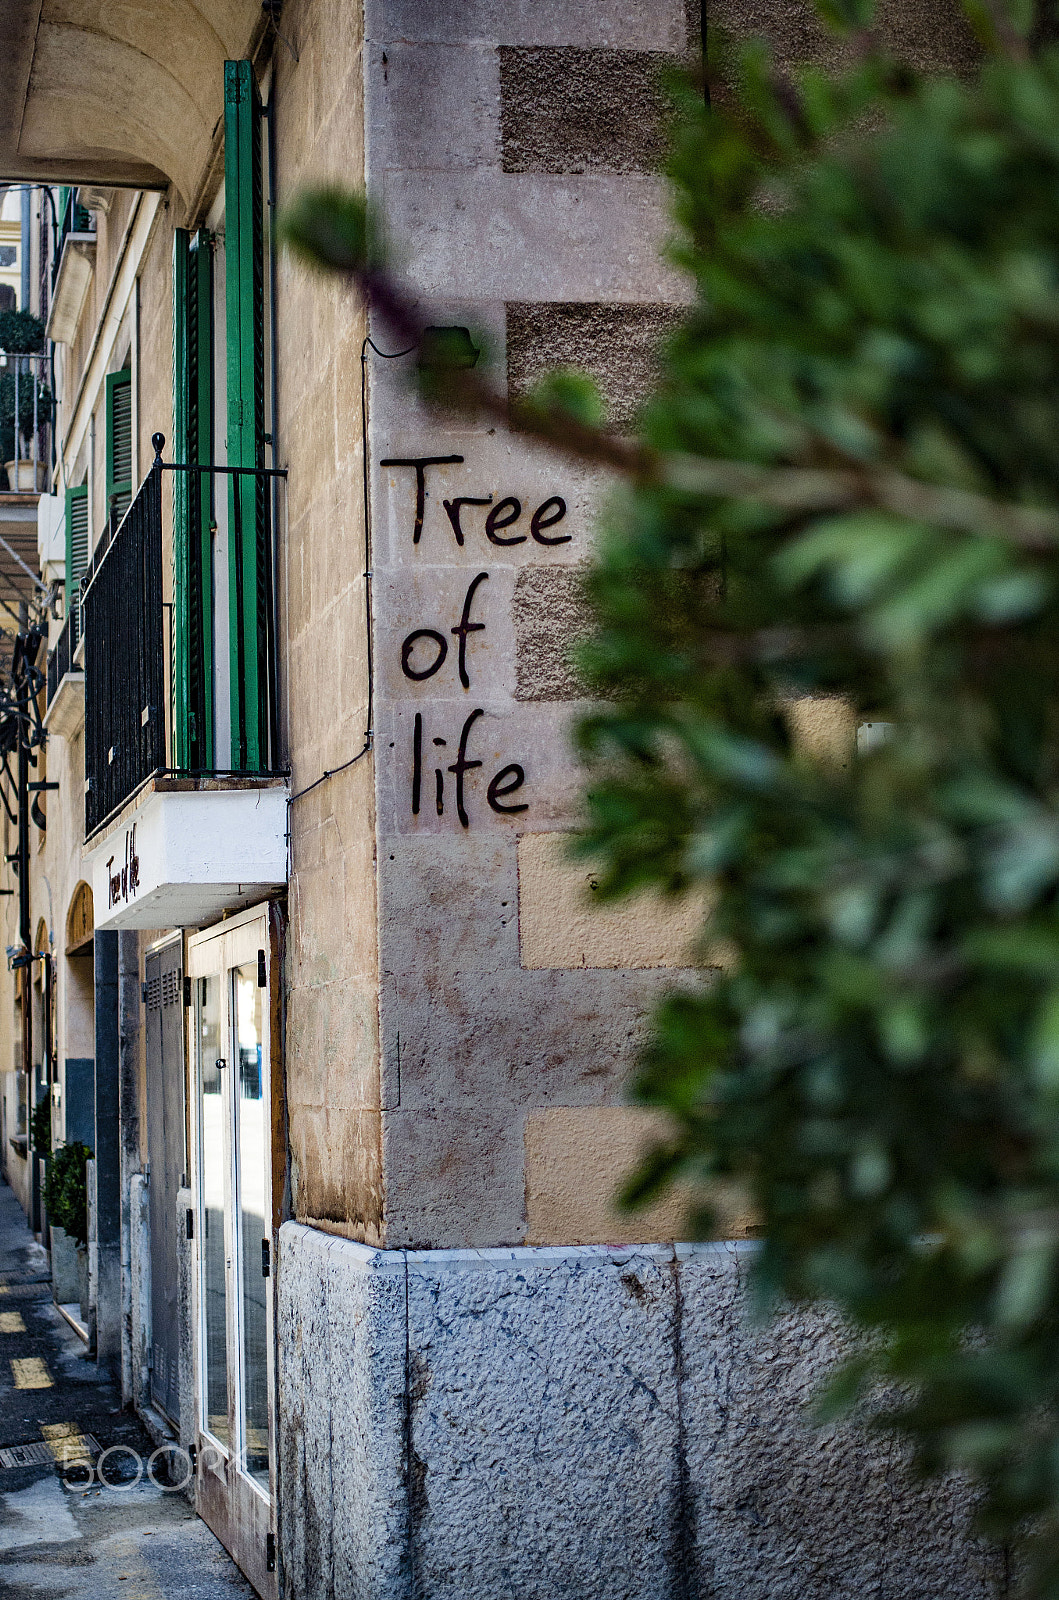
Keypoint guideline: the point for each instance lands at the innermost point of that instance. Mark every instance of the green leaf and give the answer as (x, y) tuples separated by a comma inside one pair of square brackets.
[(331, 229)]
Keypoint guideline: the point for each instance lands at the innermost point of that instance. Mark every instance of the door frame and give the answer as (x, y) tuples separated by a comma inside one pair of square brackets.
[(229, 1501), (158, 947)]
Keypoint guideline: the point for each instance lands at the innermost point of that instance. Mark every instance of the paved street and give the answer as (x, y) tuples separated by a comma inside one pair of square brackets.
[(61, 1532)]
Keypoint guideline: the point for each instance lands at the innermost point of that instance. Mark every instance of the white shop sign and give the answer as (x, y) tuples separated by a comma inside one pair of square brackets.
[(182, 857)]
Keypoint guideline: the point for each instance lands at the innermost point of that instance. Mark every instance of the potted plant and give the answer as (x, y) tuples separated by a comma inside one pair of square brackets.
[(40, 1140), (40, 1126), (66, 1197), (21, 334)]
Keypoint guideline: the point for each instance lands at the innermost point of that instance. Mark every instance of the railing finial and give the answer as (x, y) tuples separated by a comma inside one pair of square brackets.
[(158, 440)]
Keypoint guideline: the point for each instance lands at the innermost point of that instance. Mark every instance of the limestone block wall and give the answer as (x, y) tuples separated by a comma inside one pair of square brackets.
[(512, 152), (332, 1054), (582, 1422)]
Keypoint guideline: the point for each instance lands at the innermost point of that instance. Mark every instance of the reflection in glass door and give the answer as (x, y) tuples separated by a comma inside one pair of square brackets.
[(213, 1161), (233, 1486), (252, 1147)]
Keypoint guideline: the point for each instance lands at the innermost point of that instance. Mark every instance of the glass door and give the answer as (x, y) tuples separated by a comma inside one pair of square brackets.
[(234, 1489)]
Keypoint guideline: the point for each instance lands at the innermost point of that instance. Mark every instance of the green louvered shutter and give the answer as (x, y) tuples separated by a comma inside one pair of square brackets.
[(249, 557), (76, 554), (119, 445), (192, 500)]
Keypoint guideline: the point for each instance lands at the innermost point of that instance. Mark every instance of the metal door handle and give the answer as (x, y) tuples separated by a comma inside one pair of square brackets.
[(220, 1063)]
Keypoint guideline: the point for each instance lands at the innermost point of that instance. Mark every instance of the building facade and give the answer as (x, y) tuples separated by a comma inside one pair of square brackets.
[(295, 948)]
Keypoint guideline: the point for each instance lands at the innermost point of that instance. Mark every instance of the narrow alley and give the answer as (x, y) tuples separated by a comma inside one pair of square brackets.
[(79, 1512)]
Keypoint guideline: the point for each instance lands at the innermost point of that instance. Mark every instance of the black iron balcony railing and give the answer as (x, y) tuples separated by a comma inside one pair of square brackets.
[(61, 657), (136, 710)]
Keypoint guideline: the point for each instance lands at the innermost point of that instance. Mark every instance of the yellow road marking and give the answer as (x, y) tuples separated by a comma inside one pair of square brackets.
[(66, 1442), (31, 1372), (11, 1322), (70, 1450)]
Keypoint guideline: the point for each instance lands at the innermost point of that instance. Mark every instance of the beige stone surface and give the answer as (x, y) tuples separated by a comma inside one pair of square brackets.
[(560, 924), (122, 92), (823, 727), (577, 1159), (332, 1049)]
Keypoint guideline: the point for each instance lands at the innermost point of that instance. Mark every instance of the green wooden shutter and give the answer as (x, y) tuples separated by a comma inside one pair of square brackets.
[(119, 445), (76, 554), (193, 501), (249, 557)]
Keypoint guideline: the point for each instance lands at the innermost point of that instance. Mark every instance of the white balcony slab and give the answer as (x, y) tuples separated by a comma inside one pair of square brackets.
[(66, 711), (180, 855), (76, 266)]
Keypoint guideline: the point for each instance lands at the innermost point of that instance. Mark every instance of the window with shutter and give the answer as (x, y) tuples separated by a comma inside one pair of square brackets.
[(249, 553), (119, 445), (193, 500), (76, 554)]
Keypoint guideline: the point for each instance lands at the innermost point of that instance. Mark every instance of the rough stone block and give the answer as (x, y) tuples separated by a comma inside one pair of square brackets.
[(584, 1421), (617, 345), (571, 110), (934, 38), (552, 617), (542, 1447), (366, 1312), (306, 1511), (784, 1510)]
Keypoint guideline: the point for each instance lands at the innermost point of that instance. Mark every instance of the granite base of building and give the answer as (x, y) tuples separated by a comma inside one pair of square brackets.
[(585, 1423)]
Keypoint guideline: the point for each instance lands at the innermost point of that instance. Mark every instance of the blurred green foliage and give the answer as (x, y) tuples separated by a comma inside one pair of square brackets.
[(846, 488), (66, 1190), (876, 268), (21, 333), (40, 1125)]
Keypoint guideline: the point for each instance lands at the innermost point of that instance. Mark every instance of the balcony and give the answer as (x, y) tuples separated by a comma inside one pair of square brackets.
[(174, 838), (73, 264), (65, 709)]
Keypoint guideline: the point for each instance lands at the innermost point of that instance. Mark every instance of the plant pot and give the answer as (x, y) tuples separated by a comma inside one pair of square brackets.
[(82, 1285), (25, 477), (64, 1282)]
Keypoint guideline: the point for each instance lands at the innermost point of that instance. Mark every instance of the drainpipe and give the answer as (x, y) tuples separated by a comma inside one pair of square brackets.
[(25, 258), (269, 113)]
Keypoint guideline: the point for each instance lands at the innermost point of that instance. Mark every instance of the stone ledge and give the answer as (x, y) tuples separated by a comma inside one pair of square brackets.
[(583, 1420)]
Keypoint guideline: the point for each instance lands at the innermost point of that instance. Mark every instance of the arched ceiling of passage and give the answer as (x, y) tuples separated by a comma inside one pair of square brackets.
[(120, 92)]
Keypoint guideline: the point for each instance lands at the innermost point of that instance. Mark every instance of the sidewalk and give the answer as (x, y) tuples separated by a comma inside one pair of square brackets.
[(62, 1533)]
